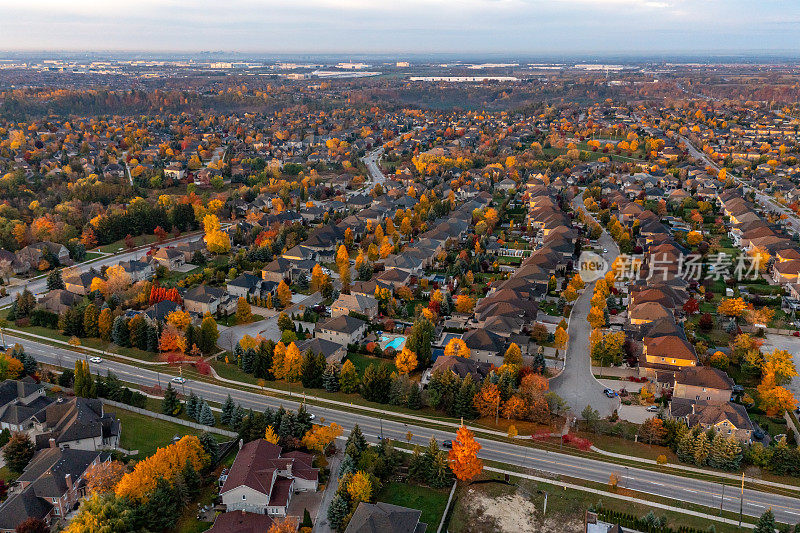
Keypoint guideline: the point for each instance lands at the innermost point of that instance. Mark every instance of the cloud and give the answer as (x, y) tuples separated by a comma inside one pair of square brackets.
[(513, 26)]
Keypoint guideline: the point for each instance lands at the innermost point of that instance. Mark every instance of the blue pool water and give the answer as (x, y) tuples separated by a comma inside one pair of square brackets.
[(396, 343)]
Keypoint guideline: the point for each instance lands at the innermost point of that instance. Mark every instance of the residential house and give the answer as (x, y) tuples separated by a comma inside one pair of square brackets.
[(19, 402), (138, 270), (241, 522), (703, 383), (342, 329), (205, 299), (50, 487), (76, 423), (355, 303), (248, 285), (385, 518), (58, 300), (727, 418), (668, 352), (170, 258), (262, 479)]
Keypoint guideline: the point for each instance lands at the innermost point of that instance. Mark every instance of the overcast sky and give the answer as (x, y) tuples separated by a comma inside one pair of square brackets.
[(398, 26)]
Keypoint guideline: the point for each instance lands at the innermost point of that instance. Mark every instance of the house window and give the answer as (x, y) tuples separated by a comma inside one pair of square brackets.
[(244, 496)]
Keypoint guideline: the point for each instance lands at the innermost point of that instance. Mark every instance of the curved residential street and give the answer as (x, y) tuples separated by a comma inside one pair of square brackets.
[(576, 384)]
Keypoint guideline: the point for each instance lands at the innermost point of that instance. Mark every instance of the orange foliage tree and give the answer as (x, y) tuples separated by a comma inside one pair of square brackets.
[(463, 456)]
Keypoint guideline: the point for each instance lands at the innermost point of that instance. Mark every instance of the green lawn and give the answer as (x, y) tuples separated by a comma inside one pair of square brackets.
[(361, 361), (120, 244), (147, 434), (426, 499)]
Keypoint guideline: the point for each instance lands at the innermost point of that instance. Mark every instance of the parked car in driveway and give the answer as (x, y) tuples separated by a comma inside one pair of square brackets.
[(610, 393), (652, 409)]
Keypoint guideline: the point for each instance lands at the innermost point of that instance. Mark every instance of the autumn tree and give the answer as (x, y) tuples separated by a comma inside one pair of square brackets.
[(561, 338), (652, 431), (244, 313), (513, 355), (18, 452), (103, 477), (318, 438), (405, 361), (463, 456), (217, 241), (457, 347), (270, 435), (360, 487), (733, 307), (165, 464), (487, 400), (284, 295)]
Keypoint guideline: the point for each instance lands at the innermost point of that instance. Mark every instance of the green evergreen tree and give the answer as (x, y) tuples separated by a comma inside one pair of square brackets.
[(119, 332), (152, 338), (766, 524), (206, 416), (227, 411), (162, 508), (54, 281), (337, 512), (170, 405), (249, 360), (330, 378), (414, 397), (192, 405), (539, 365), (312, 369), (210, 445), (357, 440)]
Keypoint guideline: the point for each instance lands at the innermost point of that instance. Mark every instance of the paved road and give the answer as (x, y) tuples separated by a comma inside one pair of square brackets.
[(371, 161), (576, 384), (268, 328), (39, 285), (765, 200), (786, 509)]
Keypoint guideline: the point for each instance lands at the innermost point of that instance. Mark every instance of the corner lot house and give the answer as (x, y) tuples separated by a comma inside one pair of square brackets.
[(262, 480), (343, 330)]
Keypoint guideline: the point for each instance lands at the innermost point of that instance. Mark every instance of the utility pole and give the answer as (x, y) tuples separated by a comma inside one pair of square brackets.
[(544, 510), (741, 502), (722, 499)]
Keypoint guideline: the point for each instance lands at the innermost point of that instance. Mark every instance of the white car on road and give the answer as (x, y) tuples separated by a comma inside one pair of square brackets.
[(179, 379), (96, 360)]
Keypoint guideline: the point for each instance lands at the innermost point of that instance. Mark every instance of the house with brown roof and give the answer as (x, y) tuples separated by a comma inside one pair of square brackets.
[(241, 522), (667, 352), (727, 418), (703, 383), (262, 480)]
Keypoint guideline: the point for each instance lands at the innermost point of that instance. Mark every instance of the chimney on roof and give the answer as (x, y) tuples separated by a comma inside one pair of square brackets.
[(68, 479), (52, 442)]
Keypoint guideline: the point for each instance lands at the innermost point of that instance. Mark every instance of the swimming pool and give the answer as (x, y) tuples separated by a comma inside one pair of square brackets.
[(397, 343)]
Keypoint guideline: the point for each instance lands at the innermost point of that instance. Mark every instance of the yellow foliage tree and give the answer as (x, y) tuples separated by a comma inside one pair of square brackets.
[(405, 361), (359, 487), (180, 319), (292, 363), (166, 463), (732, 307), (457, 347), (318, 438), (270, 435)]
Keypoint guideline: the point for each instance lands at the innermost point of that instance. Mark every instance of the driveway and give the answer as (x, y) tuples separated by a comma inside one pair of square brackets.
[(321, 524), (267, 328), (576, 384)]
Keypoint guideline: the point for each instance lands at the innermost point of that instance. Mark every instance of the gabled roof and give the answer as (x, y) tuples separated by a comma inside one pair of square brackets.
[(385, 518), (343, 324)]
